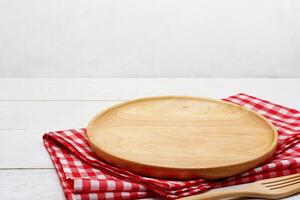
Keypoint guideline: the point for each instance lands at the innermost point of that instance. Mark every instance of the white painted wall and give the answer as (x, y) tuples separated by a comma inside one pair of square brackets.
[(150, 38)]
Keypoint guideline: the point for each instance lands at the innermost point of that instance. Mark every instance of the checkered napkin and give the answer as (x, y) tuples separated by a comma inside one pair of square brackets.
[(84, 176)]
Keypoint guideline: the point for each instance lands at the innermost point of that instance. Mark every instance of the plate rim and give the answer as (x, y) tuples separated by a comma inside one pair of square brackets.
[(115, 160)]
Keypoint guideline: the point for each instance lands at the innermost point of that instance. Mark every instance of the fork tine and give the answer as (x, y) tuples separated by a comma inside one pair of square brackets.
[(291, 181), (283, 181), (279, 179), (296, 183), (277, 190)]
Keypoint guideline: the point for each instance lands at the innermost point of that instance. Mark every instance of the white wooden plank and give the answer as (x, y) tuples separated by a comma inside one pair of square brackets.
[(55, 115), (61, 107), (280, 90), (48, 115), (38, 184), (30, 184), (23, 149)]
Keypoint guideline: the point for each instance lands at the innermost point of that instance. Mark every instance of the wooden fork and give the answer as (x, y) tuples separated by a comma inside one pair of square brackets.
[(273, 188)]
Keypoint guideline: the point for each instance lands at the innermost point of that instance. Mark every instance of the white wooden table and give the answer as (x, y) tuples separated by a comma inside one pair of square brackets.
[(30, 107)]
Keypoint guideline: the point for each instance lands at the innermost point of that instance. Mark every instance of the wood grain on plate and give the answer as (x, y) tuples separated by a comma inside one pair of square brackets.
[(182, 137)]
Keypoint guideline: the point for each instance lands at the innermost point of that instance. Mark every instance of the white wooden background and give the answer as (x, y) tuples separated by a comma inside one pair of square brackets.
[(152, 38), (31, 107)]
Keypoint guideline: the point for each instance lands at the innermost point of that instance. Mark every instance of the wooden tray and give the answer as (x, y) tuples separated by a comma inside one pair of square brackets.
[(182, 137)]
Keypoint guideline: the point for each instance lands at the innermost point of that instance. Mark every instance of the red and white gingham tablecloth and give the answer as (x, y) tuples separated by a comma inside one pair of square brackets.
[(84, 176)]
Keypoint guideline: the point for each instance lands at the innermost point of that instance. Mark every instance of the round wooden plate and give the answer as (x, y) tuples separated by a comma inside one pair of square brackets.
[(182, 137)]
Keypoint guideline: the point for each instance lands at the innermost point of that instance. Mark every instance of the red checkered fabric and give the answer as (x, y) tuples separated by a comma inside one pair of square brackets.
[(84, 176)]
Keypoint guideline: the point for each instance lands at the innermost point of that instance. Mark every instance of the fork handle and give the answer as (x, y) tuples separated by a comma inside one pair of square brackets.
[(213, 195)]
